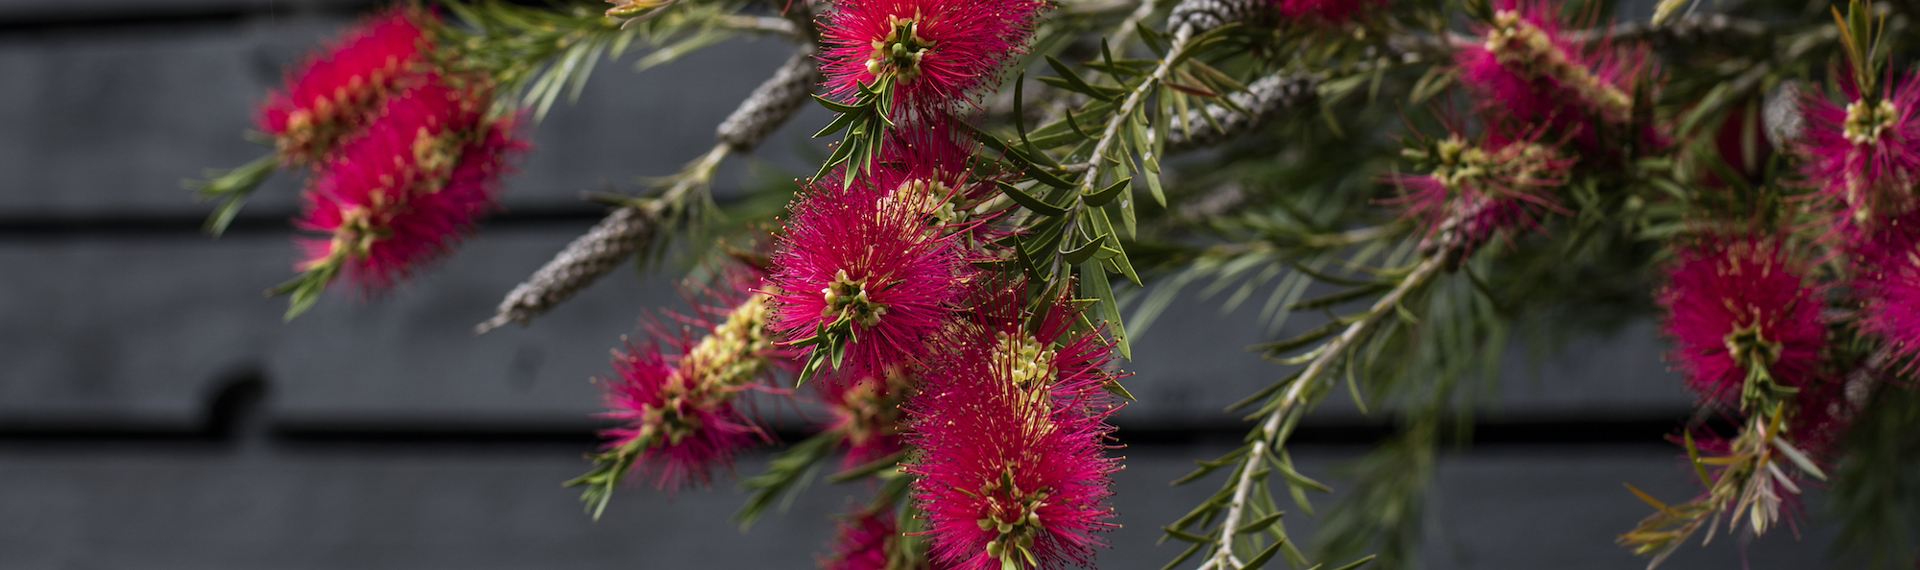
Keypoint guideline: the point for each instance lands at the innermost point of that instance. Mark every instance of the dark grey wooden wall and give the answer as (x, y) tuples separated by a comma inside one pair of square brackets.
[(156, 413)]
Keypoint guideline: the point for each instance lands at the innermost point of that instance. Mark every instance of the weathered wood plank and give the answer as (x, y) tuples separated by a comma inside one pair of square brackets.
[(502, 507), (109, 123), (146, 327)]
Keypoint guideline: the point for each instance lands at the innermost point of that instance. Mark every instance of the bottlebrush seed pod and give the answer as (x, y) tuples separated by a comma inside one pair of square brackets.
[(1780, 112), (583, 261), (771, 104), (1206, 15), (1265, 98)]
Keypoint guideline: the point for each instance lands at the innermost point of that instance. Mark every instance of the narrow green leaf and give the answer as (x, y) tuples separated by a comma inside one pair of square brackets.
[(1259, 525), (1029, 202), (1093, 282), (1282, 346), (1191, 550), (1264, 556), (1085, 251), (1107, 194), (1184, 535), (1049, 178), (1357, 563), (1074, 83), (868, 469), (1341, 297)]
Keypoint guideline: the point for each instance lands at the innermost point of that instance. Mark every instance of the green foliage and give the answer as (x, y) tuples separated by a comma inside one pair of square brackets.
[(231, 188), (1876, 490)]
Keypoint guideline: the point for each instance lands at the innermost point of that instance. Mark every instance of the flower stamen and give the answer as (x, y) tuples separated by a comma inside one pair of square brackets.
[(847, 299), (899, 53)]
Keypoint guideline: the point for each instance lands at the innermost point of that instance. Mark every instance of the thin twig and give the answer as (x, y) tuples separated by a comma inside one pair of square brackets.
[(763, 24), (1330, 354)]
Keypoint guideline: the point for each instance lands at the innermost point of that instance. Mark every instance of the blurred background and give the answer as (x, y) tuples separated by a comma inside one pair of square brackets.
[(155, 412)]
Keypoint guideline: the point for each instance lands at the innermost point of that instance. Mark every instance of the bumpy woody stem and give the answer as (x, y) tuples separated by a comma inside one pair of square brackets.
[(1205, 15), (582, 262), (604, 247), (630, 228), (772, 103), (1265, 99)]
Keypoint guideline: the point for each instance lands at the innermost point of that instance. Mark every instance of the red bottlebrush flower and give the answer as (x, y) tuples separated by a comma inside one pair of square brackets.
[(866, 414), (683, 426), (928, 167), (336, 92), (1887, 280), (408, 188), (864, 540), (1742, 144), (932, 52), (1072, 366), (1005, 477), (1821, 417), (865, 277), (1529, 70), (1334, 12), (1475, 191), (1743, 315), (1866, 155)]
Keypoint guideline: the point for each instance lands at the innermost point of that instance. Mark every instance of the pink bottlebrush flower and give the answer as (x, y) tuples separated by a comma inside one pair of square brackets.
[(1333, 12), (933, 52), (682, 426), (928, 166), (1478, 190), (866, 414), (1887, 281), (863, 540), (337, 91), (1865, 156), (1820, 420), (1008, 473), (1073, 366), (409, 188), (1738, 303), (851, 272), (1527, 69), (1741, 144), (725, 335)]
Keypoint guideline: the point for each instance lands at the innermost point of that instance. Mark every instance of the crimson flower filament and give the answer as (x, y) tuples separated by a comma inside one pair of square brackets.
[(336, 93), (1747, 326)]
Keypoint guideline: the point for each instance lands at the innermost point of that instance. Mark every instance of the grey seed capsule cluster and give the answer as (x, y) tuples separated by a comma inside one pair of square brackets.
[(1265, 98), (1780, 112), (1205, 15), (589, 257), (771, 104)]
